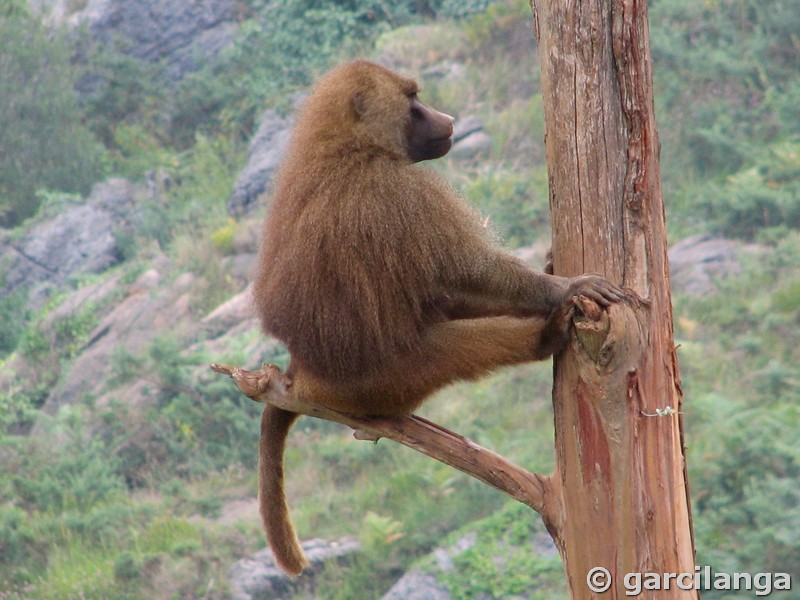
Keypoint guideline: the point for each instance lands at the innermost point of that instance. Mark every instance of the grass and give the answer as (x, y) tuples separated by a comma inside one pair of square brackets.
[(77, 571)]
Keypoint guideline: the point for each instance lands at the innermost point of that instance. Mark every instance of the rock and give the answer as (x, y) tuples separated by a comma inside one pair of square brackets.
[(535, 254), (79, 240), (241, 268), (469, 138), (697, 262), (466, 126), (266, 152), (259, 577), (229, 314), (132, 324), (474, 145), (181, 36), (446, 70), (416, 585), (53, 12), (444, 556)]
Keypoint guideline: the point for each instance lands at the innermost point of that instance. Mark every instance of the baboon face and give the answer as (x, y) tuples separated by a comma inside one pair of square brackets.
[(389, 115), (428, 133)]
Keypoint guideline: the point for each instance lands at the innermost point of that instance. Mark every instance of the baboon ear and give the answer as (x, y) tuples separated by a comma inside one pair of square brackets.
[(359, 104)]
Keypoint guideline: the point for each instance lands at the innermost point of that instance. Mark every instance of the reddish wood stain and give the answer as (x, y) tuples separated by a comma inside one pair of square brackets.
[(594, 453)]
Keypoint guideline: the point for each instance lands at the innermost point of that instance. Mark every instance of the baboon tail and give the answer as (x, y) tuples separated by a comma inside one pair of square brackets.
[(275, 425)]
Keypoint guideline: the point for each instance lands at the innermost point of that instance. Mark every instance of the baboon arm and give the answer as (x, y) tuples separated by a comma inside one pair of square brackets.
[(500, 284), (503, 285)]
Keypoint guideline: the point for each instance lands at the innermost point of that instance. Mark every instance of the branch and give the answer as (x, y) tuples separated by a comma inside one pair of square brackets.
[(270, 386)]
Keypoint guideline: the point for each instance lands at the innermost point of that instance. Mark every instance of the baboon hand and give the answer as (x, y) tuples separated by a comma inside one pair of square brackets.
[(596, 287)]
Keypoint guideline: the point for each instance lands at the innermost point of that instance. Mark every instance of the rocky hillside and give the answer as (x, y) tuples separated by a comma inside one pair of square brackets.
[(70, 263)]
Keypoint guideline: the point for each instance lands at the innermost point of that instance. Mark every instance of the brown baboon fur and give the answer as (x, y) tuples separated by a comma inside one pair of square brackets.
[(379, 279)]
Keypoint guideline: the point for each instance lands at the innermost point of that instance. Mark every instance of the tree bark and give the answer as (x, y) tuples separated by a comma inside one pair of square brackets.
[(620, 465)]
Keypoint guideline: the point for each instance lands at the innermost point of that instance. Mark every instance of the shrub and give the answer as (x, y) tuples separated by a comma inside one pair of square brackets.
[(118, 90), (80, 477), (511, 203), (17, 539), (503, 561), (13, 313), (45, 145), (223, 237), (760, 197), (726, 79)]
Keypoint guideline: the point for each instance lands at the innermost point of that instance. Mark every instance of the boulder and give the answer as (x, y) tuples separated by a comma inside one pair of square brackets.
[(469, 138), (417, 585), (698, 262), (229, 314), (466, 126), (260, 577), (81, 239), (181, 36), (266, 153), (474, 145), (146, 311)]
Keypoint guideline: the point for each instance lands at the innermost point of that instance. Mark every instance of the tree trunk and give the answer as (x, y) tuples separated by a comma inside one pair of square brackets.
[(620, 469)]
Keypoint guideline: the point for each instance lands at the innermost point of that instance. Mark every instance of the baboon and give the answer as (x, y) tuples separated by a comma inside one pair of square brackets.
[(383, 284)]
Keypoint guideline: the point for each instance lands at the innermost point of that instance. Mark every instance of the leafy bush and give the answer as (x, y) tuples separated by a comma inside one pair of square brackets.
[(81, 476), (17, 539), (13, 313), (726, 80), (119, 91), (45, 145), (197, 428), (205, 176), (741, 369), (511, 203), (747, 503), (503, 562), (137, 151), (223, 237), (758, 198)]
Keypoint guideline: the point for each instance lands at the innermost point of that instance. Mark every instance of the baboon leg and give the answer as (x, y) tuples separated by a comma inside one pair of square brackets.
[(450, 351)]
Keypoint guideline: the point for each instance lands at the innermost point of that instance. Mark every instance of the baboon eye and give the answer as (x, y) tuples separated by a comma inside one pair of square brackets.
[(416, 113)]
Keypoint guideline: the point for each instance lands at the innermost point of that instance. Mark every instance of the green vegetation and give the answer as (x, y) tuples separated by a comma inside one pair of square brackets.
[(13, 314), (111, 498), (44, 143), (508, 557)]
